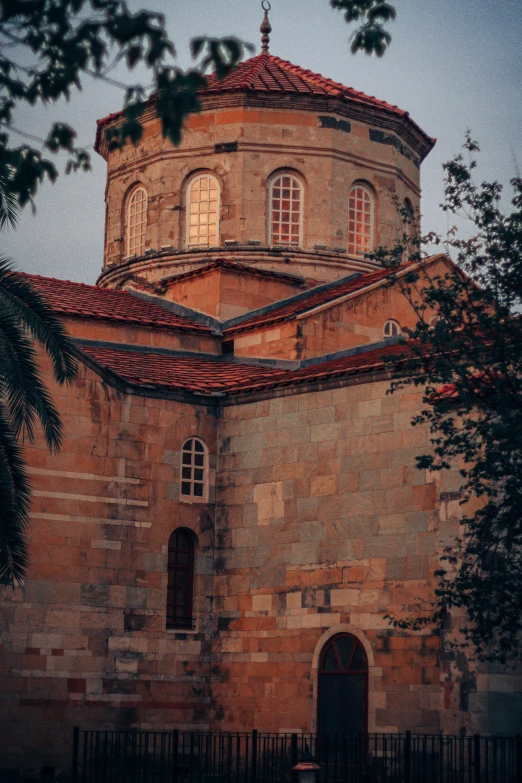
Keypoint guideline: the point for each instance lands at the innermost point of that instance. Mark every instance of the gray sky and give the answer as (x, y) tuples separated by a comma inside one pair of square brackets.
[(453, 64)]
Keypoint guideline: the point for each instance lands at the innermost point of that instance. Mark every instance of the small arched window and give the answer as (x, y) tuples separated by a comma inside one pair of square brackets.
[(194, 470), (286, 210), (433, 321), (391, 328), (203, 211), (136, 222), (180, 580), (361, 219)]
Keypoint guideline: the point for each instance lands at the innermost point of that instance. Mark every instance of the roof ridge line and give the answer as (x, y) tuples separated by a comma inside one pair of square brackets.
[(180, 310), (238, 319)]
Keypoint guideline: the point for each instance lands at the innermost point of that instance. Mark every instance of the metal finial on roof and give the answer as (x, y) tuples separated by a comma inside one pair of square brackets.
[(265, 28)]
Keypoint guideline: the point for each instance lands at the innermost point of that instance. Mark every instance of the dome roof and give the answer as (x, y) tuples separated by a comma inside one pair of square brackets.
[(270, 74), (266, 76)]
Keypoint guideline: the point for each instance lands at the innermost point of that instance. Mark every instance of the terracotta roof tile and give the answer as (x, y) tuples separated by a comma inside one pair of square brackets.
[(214, 376), (89, 301), (266, 73), (314, 299)]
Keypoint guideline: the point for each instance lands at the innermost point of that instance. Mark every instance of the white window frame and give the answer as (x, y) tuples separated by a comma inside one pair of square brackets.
[(134, 247), (354, 249), (272, 182), (393, 324), (190, 185), (190, 480)]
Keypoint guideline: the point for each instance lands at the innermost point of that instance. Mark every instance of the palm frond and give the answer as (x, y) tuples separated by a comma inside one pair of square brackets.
[(14, 506), (23, 391), (9, 205), (20, 302)]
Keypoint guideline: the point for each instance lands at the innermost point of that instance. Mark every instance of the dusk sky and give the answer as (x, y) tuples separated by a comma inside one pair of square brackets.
[(453, 64)]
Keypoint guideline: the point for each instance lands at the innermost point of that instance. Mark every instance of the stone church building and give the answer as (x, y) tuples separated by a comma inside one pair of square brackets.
[(236, 508)]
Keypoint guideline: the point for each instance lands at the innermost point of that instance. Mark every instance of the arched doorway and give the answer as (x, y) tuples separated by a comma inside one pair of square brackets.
[(342, 704)]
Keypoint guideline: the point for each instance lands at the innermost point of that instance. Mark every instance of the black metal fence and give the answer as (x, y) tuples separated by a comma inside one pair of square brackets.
[(254, 757)]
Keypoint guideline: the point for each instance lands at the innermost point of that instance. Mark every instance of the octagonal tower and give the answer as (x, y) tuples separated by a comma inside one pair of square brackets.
[(283, 170)]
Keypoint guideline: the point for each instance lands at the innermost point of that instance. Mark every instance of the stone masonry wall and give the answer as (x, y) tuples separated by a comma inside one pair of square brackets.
[(83, 642), (325, 525)]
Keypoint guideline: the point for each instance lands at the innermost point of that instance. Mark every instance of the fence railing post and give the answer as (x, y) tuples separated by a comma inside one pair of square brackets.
[(76, 746), (476, 757), (294, 759), (253, 768), (407, 757), (175, 741), (518, 758)]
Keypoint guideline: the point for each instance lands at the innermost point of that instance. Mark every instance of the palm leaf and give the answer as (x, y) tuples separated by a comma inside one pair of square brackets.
[(14, 505), (9, 205), (24, 305), (25, 319)]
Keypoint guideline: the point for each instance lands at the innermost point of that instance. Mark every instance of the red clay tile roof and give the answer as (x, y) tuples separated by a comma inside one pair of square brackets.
[(89, 301), (210, 376), (288, 311), (266, 73)]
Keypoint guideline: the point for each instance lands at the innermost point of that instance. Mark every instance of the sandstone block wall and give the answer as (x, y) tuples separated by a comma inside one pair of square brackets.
[(328, 161), (83, 642)]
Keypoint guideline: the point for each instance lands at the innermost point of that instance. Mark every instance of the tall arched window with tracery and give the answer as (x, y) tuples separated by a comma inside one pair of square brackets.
[(203, 211), (180, 583), (136, 222), (361, 220), (286, 210), (194, 471)]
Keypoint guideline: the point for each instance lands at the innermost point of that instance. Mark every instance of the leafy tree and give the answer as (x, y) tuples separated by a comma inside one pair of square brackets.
[(469, 364), (25, 319), (370, 36)]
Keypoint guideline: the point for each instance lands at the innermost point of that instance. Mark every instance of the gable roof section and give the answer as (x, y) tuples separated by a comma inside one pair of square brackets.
[(234, 266), (325, 294), (216, 377), (89, 301), (289, 310)]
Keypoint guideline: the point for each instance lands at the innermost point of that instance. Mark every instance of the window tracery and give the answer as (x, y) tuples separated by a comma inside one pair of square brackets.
[(203, 211), (194, 470), (392, 328), (286, 210), (361, 219), (136, 222)]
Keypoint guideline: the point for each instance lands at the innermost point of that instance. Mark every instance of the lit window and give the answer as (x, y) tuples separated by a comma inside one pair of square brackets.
[(360, 220), (391, 329), (194, 470), (180, 580), (136, 222), (286, 210), (203, 212)]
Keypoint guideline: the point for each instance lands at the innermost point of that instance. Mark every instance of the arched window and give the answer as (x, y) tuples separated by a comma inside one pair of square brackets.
[(433, 321), (361, 219), (391, 328), (203, 211), (194, 470), (286, 210), (343, 687), (136, 222), (180, 580)]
